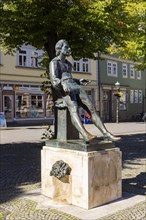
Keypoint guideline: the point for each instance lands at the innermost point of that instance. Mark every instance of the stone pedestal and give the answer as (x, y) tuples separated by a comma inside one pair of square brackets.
[(95, 177)]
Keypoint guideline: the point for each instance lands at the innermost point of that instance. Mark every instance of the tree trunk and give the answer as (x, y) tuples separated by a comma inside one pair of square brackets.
[(50, 45)]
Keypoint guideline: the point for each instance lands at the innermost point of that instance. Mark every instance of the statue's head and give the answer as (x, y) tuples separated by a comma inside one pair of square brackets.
[(59, 46)]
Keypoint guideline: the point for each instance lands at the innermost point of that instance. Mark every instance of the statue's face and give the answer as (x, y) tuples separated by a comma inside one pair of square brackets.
[(65, 50)]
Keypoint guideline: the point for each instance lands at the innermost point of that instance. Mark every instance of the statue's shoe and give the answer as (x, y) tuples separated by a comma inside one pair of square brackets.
[(110, 137), (90, 138)]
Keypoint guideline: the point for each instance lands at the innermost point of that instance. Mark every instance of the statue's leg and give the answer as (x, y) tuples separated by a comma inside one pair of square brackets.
[(86, 103), (73, 109)]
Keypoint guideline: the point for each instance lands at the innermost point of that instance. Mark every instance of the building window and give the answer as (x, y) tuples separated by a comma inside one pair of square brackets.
[(140, 96), (36, 102), (132, 72), (81, 65), (22, 58), (112, 68), (28, 56), (123, 101), (131, 96), (138, 74), (34, 59), (85, 65), (135, 96), (76, 66), (124, 70), (22, 106), (29, 106)]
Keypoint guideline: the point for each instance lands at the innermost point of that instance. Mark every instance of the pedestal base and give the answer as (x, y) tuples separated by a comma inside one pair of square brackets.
[(80, 145), (95, 177)]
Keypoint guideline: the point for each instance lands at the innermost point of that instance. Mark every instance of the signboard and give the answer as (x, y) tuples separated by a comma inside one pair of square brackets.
[(2, 120)]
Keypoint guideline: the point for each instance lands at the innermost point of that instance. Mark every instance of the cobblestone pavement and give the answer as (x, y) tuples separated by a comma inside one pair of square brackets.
[(137, 212), (19, 209), (20, 173)]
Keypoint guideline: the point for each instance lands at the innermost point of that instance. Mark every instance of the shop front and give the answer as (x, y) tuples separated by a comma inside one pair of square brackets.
[(21, 102), (29, 103), (109, 102)]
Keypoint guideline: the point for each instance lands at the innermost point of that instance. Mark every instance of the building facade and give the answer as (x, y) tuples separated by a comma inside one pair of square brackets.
[(21, 97), (104, 73), (132, 85)]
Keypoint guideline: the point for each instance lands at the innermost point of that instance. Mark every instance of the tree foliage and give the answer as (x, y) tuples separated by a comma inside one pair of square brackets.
[(90, 26)]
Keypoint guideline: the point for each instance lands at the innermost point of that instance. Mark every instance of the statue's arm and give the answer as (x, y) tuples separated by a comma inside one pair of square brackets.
[(54, 74), (77, 81)]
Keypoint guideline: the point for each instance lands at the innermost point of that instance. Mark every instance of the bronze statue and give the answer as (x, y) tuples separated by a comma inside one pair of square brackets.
[(72, 93)]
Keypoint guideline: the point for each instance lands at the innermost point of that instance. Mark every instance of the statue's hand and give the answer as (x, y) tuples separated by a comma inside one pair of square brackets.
[(56, 82), (85, 82)]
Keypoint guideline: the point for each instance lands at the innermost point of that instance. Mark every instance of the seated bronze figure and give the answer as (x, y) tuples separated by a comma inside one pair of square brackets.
[(73, 94)]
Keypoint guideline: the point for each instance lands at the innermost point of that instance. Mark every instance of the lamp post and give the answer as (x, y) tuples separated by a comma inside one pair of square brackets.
[(117, 84)]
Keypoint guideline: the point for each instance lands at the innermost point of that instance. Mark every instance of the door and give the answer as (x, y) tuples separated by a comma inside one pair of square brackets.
[(107, 105), (8, 106)]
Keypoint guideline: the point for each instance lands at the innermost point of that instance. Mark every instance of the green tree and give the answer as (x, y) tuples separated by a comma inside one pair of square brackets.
[(90, 26), (134, 47)]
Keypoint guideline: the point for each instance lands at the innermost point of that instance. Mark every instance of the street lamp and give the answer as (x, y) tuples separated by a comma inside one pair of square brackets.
[(117, 84)]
